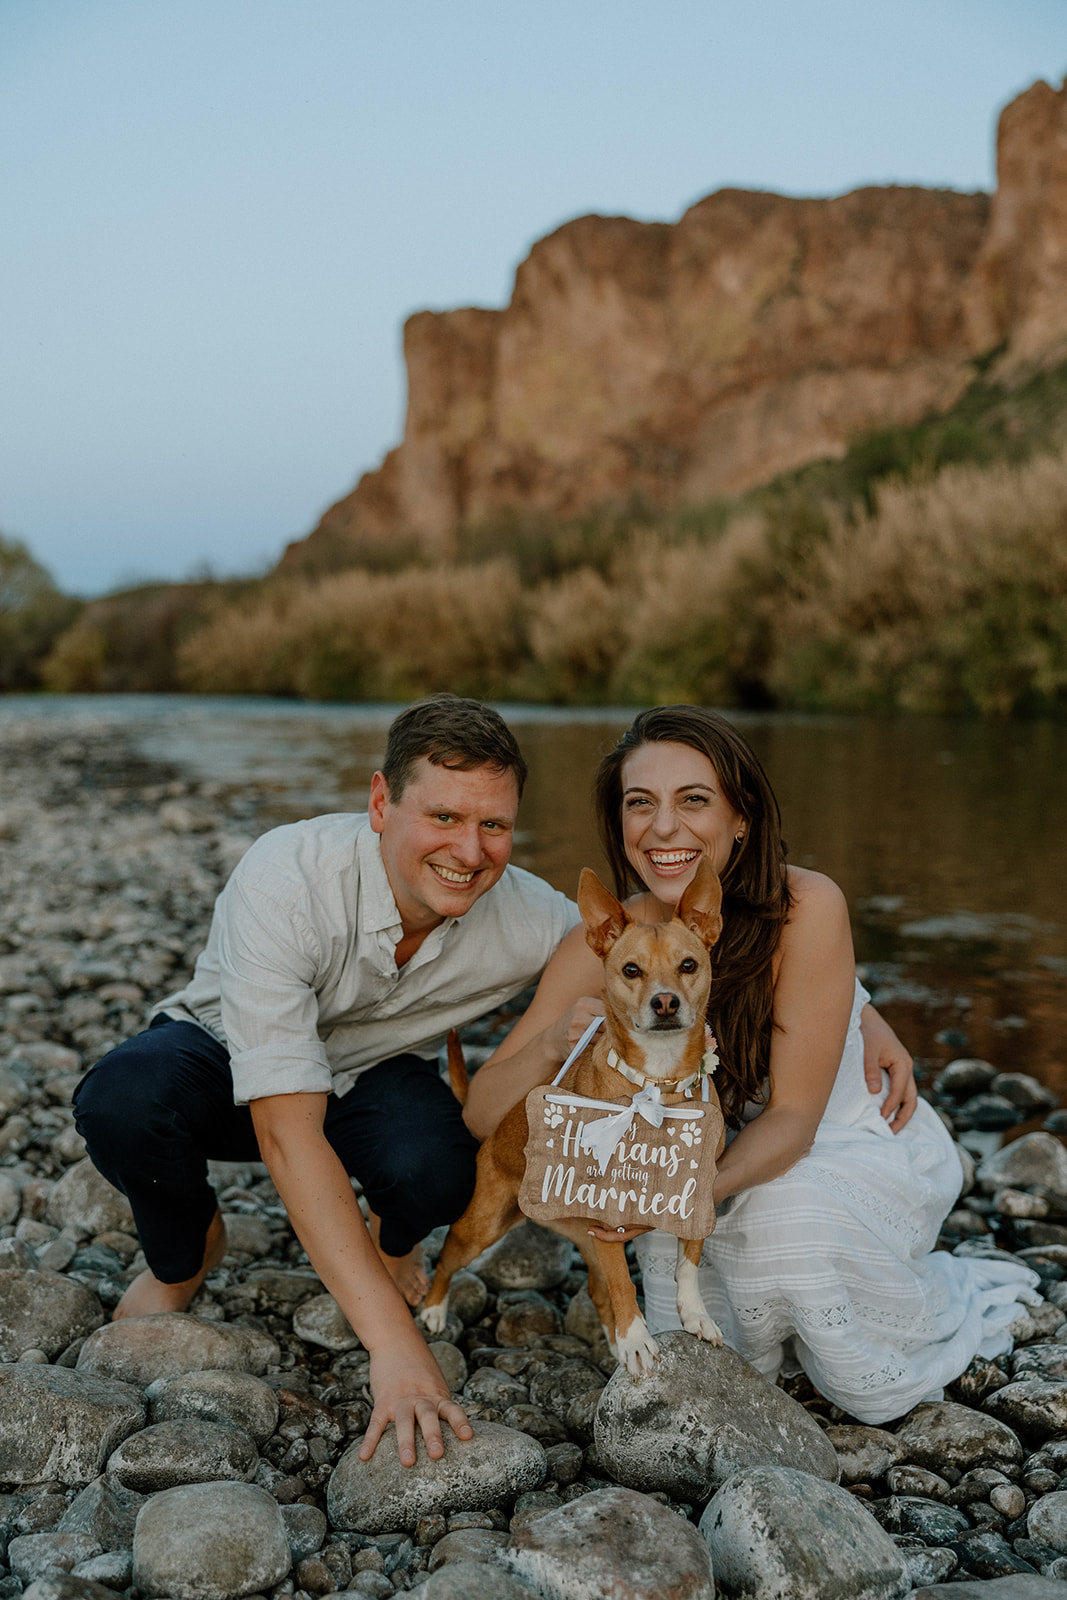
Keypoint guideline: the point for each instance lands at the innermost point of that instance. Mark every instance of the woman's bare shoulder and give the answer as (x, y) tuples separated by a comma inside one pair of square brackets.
[(818, 915), (812, 893)]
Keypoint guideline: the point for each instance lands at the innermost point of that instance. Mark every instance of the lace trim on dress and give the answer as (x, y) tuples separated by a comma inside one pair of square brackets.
[(840, 1315), (864, 1199), (891, 1372)]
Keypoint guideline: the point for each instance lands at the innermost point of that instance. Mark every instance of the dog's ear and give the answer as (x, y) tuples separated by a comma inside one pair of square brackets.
[(700, 907), (602, 914)]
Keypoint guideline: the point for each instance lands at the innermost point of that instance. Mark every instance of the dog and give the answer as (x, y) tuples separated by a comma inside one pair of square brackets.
[(657, 978)]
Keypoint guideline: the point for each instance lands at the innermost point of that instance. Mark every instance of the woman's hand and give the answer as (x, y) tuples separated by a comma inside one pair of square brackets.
[(569, 1028), (883, 1052), (617, 1235)]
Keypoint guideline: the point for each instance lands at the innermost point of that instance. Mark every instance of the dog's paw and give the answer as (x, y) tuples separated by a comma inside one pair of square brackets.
[(703, 1327), (636, 1349), (433, 1317)]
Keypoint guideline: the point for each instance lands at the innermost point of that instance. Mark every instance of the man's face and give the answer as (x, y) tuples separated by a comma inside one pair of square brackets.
[(446, 841)]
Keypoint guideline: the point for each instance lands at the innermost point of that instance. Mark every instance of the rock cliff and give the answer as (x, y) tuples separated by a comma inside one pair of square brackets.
[(680, 361)]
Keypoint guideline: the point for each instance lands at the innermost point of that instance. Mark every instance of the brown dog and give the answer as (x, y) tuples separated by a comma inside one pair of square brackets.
[(657, 977)]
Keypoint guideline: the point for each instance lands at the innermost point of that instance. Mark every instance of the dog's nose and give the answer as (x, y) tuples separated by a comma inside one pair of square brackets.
[(665, 1004)]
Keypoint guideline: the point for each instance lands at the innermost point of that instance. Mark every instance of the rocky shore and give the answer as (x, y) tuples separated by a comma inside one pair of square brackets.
[(212, 1455)]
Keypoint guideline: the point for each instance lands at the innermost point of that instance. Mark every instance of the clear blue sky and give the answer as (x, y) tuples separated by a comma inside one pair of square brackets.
[(217, 213)]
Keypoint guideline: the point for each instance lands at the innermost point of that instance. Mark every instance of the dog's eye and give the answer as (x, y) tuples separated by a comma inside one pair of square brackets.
[(631, 970), (688, 965)]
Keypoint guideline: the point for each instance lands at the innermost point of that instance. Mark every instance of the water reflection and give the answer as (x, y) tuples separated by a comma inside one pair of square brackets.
[(949, 838)]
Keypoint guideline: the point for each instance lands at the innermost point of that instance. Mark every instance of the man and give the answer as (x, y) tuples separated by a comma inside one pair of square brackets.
[(340, 951)]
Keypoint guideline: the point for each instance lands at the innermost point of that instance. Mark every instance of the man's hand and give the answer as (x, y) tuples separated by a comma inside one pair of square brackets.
[(883, 1052), (408, 1388)]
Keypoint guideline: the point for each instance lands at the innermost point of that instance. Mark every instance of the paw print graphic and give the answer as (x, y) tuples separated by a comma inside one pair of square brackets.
[(553, 1118), (691, 1136)]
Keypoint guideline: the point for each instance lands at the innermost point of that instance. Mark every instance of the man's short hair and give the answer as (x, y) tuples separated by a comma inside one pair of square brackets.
[(450, 732)]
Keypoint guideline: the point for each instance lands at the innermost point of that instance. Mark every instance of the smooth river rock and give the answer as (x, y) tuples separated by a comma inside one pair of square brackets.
[(379, 1495), (186, 1450), (472, 1580), (236, 1398), (778, 1534), (39, 1555), (210, 1541), (612, 1543), (86, 1203), (700, 1415), (106, 1510), (942, 1430), (141, 1349), (1035, 1408), (1037, 1160), (529, 1257), (43, 1311)]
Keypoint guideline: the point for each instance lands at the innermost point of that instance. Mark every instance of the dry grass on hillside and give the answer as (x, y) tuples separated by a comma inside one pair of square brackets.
[(951, 594)]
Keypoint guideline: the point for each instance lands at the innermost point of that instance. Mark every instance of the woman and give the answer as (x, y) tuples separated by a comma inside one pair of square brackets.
[(829, 1197)]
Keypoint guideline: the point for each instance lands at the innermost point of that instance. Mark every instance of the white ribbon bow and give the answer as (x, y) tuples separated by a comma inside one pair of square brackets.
[(600, 1138)]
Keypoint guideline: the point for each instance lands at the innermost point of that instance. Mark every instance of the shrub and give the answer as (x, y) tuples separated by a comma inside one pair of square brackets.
[(365, 636)]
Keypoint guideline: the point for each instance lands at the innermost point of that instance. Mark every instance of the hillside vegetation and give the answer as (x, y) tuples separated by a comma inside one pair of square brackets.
[(926, 570)]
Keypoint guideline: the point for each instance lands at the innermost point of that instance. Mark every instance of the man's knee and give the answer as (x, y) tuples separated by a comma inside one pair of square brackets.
[(114, 1105)]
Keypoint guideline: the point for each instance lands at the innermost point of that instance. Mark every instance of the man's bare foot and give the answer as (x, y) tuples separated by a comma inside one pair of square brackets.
[(147, 1295), (407, 1272)]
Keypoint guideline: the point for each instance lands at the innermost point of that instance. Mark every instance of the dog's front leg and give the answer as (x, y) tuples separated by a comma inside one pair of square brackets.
[(634, 1345), (691, 1309)]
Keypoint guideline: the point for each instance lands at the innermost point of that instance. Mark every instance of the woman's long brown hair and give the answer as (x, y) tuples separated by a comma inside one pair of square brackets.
[(756, 897)]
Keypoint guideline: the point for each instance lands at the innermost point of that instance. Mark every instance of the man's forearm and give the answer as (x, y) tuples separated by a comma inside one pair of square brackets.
[(318, 1196)]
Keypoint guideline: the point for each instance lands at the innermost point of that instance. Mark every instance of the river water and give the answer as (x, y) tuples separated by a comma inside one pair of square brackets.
[(948, 837)]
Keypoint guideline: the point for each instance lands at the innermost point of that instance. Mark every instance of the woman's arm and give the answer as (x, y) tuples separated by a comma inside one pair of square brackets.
[(567, 999), (813, 996)]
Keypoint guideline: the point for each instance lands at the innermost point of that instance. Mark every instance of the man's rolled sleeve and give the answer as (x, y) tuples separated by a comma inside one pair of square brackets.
[(268, 959), (303, 1069)]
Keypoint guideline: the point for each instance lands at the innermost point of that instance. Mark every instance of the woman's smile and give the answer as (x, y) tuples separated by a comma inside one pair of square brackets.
[(674, 812)]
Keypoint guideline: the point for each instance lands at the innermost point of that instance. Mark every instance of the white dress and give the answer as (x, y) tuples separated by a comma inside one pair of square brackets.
[(832, 1268)]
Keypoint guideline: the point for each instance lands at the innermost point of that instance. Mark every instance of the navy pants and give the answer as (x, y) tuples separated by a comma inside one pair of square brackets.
[(157, 1107)]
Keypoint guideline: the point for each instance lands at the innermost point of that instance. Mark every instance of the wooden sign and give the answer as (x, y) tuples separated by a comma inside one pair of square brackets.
[(645, 1161)]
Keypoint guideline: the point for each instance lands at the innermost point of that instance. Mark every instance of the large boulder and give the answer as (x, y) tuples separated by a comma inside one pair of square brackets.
[(55, 1423), (778, 1534), (700, 1415)]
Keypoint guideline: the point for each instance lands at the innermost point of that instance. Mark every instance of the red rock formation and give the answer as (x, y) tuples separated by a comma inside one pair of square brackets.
[(1018, 296), (678, 362)]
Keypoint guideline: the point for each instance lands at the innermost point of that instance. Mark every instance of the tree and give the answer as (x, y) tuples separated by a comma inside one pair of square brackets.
[(33, 613)]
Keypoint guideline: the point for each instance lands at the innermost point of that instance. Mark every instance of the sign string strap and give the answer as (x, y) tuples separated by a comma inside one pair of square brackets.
[(576, 1052)]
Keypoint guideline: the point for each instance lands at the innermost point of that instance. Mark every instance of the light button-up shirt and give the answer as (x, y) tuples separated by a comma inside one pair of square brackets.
[(299, 977)]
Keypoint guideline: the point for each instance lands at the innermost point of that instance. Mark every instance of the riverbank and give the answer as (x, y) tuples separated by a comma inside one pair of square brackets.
[(109, 865)]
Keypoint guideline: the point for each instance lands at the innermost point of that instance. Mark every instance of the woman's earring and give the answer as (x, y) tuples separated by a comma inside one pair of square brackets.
[(739, 836)]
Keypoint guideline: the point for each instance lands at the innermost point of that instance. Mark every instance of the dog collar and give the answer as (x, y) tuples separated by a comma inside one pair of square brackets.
[(709, 1062)]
